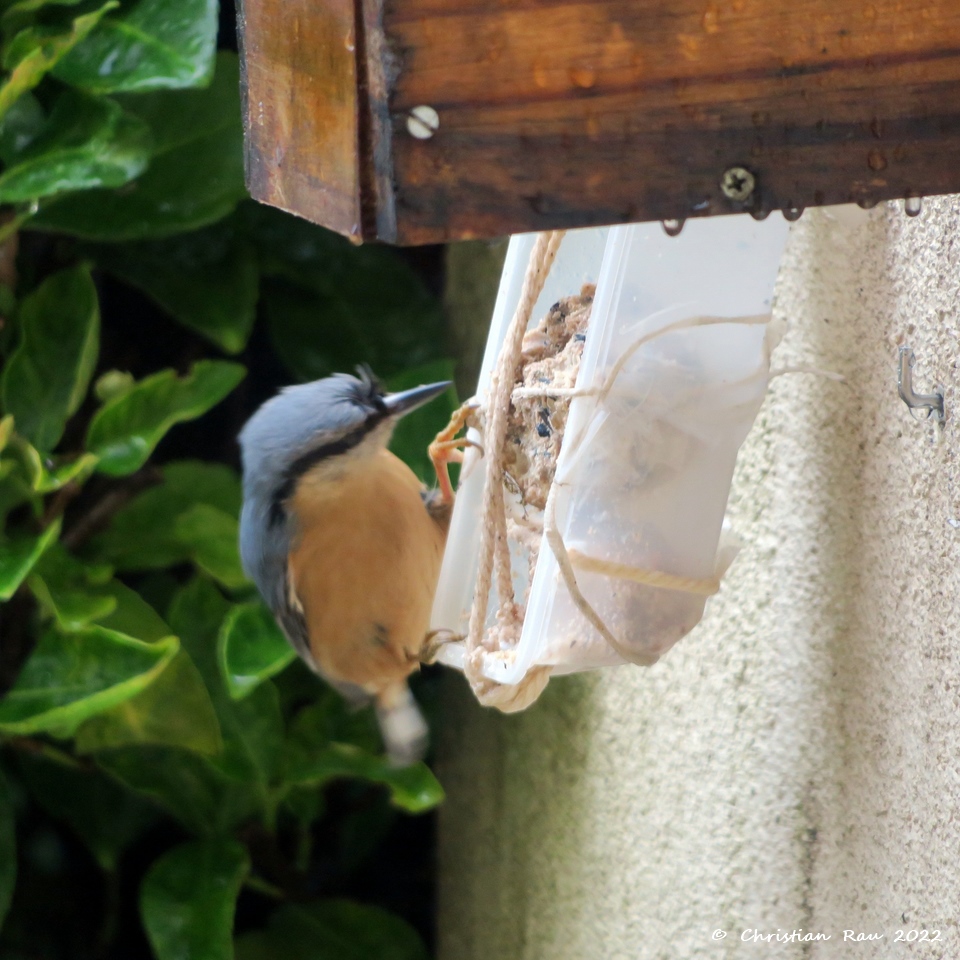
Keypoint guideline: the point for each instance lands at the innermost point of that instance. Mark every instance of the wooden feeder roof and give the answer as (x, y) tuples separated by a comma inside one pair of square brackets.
[(421, 121)]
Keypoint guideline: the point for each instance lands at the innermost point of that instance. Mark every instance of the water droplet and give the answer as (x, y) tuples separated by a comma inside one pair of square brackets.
[(912, 206), (672, 228), (761, 213), (583, 77), (867, 203), (876, 160), (792, 213)]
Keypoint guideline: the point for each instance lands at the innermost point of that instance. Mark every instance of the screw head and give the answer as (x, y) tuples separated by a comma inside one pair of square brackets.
[(738, 184), (423, 122)]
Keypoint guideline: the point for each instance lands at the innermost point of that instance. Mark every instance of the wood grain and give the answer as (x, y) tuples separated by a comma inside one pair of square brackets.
[(561, 114)]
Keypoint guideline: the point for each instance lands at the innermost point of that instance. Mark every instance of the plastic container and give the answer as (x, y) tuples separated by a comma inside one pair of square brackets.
[(674, 370)]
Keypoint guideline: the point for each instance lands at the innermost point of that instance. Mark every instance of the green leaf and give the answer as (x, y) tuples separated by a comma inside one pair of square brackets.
[(113, 384), (24, 120), (142, 535), (124, 432), (48, 474), (103, 815), (414, 788), (74, 593), (148, 45), (70, 677), (45, 380), (212, 537), (252, 728), (188, 900), (251, 648), (415, 431), (194, 179), (86, 143), (205, 800), (42, 51), (19, 555), (132, 615), (8, 849), (6, 431), (207, 280), (78, 593), (28, 6), (332, 930), (173, 711), (325, 314)]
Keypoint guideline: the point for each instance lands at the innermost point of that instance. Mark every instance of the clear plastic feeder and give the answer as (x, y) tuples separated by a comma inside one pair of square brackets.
[(674, 370)]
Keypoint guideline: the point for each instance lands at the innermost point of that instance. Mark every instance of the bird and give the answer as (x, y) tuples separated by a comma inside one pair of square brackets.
[(343, 541)]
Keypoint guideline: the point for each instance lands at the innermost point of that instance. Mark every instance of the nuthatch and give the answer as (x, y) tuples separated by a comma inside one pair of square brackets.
[(343, 541)]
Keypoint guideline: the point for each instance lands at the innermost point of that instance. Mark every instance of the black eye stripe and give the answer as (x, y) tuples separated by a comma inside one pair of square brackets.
[(306, 462)]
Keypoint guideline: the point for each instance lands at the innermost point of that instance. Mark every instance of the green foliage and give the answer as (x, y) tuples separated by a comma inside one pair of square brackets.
[(46, 378), (73, 676), (251, 648), (125, 430), (150, 702), (336, 930), (188, 899)]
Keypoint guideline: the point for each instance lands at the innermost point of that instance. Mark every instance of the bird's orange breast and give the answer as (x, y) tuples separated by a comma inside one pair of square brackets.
[(364, 567)]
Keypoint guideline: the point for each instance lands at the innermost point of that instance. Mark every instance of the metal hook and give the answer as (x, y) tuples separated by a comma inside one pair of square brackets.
[(932, 403)]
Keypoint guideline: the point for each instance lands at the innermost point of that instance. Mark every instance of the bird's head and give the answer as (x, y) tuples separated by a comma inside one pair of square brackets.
[(323, 423)]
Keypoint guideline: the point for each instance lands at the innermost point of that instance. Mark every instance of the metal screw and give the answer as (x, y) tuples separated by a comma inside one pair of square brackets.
[(738, 184), (423, 122)]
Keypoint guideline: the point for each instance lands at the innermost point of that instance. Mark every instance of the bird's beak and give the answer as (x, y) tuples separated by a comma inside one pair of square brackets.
[(399, 404)]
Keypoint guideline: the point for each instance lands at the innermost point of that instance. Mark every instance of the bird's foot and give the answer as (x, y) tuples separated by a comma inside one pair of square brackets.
[(434, 641), (448, 448)]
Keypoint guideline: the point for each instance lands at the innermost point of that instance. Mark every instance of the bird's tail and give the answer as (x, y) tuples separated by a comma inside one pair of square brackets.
[(404, 730)]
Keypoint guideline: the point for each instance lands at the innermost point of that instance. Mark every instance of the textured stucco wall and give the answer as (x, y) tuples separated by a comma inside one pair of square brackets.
[(795, 762)]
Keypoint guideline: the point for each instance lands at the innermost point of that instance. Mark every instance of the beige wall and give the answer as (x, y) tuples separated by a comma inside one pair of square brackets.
[(795, 762)]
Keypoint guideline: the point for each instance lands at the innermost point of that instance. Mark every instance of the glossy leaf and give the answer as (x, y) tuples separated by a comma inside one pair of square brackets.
[(18, 556), (146, 45), (41, 51), (142, 535), (205, 800), (125, 430), (212, 537), (207, 280), (252, 729), (251, 648), (414, 788), (132, 615), (332, 930), (188, 900), (175, 711), (103, 815), (70, 677), (414, 432), (72, 592), (45, 380), (194, 179), (86, 143), (8, 849)]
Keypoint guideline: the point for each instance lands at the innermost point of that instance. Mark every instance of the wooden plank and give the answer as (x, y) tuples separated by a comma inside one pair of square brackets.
[(562, 113), (301, 108), (570, 114)]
